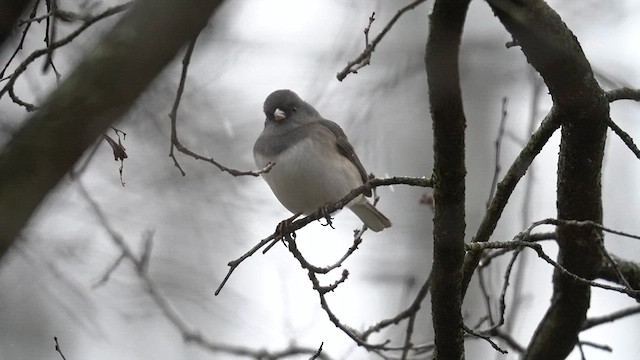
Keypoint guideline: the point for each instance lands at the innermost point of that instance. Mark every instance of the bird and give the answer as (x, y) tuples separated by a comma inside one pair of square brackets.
[(315, 165)]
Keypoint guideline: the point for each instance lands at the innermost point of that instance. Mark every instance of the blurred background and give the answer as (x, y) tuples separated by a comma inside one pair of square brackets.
[(50, 283)]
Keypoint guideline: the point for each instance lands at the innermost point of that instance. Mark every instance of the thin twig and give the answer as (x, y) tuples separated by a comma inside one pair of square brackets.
[(616, 315), (107, 274), (173, 115), (538, 249), (626, 138), (486, 297), (58, 348), (520, 270), (486, 338), (32, 15), (63, 15), (175, 142), (50, 37), (410, 311), (606, 348), (537, 237), (54, 45), (498, 146), (315, 356), (364, 58), (408, 344), (605, 254), (322, 290), (509, 340)]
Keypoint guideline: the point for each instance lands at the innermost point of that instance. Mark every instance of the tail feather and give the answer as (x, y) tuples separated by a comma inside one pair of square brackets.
[(370, 216)]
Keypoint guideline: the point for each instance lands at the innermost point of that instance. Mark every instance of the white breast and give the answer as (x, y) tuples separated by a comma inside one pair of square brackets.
[(309, 175)]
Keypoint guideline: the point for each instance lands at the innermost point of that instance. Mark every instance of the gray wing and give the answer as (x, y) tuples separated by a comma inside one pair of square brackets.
[(345, 148)]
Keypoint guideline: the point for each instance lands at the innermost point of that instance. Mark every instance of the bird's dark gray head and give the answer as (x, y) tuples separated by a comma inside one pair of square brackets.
[(283, 105)]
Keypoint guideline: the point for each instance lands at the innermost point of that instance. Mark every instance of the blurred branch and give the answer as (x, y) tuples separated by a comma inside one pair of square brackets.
[(527, 204), (365, 57), (140, 264), (9, 86), (32, 15), (173, 115), (100, 90), (10, 11)]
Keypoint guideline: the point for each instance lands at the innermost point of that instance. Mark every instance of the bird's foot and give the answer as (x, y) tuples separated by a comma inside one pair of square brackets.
[(326, 215), (282, 232)]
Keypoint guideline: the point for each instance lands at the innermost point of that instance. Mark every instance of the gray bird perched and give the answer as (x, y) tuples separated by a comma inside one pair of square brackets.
[(315, 163)]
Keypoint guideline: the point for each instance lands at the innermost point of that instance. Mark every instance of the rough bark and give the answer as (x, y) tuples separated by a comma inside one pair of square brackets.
[(447, 21), (583, 111)]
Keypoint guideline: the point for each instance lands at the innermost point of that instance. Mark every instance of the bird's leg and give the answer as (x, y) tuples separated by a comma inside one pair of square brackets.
[(324, 211), (282, 232)]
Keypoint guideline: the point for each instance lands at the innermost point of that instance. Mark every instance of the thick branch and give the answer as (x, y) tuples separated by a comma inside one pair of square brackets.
[(441, 60), (99, 91), (583, 110)]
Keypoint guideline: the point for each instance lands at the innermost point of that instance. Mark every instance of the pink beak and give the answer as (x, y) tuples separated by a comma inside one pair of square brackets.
[(279, 115)]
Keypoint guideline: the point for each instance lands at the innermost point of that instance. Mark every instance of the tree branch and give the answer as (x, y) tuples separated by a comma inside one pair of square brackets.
[(630, 270), (8, 88), (11, 11), (365, 57), (617, 315), (624, 93), (321, 214), (101, 89), (189, 335)]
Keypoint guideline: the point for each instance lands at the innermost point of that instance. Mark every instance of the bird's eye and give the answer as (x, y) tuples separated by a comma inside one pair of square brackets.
[(294, 109)]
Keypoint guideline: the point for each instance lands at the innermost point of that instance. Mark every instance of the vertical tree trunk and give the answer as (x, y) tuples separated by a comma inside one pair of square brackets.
[(447, 21)]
